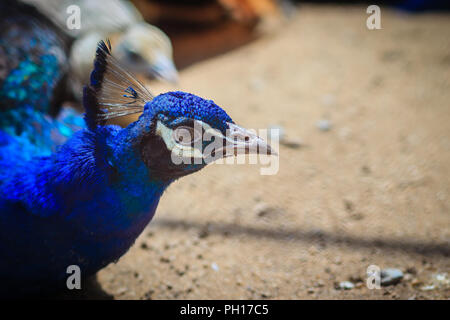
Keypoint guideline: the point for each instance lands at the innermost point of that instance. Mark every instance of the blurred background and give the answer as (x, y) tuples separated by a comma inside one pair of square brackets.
[(364, 174)]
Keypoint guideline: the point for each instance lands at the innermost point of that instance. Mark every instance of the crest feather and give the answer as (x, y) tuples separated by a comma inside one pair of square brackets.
[(113, 92)]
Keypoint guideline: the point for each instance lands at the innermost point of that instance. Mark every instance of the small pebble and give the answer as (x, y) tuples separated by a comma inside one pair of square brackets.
[(324, 125), (390, 276), (348, 205), (337, 260), (428, 288), (442, 278), (346, 285), (408, 277), (365, 170), (416, 282), (204, 233), (164, 260), (121, 290), (357, 216), (144, 246), (319, 284), (291, 143), (263, 210), (214, 266)]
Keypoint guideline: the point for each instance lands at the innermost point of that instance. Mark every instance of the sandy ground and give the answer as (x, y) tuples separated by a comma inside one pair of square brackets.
[(373, 190)]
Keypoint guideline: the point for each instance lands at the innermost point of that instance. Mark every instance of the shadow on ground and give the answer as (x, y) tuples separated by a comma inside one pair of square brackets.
[(319, 237)]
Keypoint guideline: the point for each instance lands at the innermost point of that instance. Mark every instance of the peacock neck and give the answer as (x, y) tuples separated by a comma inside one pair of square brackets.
[(95, 182), (124, 194)]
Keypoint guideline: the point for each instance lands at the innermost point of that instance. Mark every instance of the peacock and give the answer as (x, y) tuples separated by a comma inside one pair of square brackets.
[(75, 190)]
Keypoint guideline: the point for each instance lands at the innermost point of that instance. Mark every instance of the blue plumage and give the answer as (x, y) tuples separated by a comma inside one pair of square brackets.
[(86, 202), (79, 206), (181, 104), (77, 191)]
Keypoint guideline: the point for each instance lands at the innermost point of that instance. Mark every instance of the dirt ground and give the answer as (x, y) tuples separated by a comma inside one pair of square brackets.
[(372, 190)]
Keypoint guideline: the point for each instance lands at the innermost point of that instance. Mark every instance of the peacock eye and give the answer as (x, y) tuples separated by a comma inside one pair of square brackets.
[(133, 56), (186, 135)]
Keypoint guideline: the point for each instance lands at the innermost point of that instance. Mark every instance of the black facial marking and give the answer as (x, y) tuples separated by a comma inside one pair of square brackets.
[(158, 158)]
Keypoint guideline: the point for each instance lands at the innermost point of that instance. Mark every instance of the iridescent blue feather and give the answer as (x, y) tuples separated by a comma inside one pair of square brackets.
[(83, 201)]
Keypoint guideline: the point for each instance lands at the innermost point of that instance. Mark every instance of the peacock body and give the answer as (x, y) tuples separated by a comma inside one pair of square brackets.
[(84, 200)]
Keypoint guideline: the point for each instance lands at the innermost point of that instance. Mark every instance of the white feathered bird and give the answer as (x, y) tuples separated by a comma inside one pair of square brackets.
[(140, 47)]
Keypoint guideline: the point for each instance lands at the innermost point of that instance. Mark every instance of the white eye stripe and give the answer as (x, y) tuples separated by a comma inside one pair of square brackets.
[(166, 134)]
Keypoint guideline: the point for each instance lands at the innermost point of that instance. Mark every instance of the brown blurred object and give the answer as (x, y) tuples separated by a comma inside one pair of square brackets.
[(248, 10), (200, 29)]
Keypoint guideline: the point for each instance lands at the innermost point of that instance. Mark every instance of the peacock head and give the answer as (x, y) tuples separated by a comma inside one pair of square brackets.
[(177, 133), (145, 49)]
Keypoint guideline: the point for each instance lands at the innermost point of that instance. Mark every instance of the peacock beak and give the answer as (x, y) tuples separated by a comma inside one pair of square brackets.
[(243, 141), (163, 68)]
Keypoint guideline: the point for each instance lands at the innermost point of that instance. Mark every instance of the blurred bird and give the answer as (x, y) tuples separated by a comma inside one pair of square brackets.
[(86, 203), (139, 46)]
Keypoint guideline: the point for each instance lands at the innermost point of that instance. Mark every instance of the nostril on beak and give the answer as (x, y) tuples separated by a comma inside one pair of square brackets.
[(246, 141)]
